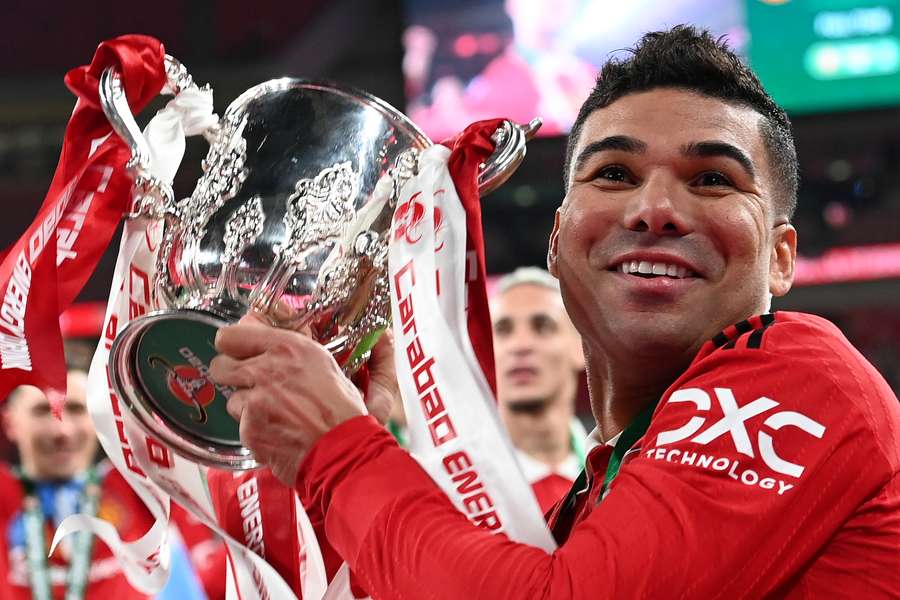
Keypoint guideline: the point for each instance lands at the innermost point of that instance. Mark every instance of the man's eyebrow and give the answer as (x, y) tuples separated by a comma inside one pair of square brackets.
[(716, 148), (541, 317), (623, 143)]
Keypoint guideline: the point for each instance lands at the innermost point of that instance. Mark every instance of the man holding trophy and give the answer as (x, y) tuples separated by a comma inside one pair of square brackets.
[(745, 454), (741, 453)]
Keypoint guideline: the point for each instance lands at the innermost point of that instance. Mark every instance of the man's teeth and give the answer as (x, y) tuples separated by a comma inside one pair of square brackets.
[(644, 267)]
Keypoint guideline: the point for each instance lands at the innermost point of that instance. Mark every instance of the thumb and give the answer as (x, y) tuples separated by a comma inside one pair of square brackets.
[(382, 390), (254, 317)]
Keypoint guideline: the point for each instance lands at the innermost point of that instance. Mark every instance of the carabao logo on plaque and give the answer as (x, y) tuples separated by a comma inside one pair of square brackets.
[(175, 374), (189, 385)]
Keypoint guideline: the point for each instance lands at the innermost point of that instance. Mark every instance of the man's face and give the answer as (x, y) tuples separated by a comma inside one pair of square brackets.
[(48, 447), (667, 233), (536, 348)]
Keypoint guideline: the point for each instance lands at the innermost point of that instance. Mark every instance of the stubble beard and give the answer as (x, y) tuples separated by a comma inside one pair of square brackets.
[(528, 406)]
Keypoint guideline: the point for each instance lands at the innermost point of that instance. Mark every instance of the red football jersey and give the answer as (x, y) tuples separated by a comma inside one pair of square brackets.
[(549, 484), (207, 551), (769, 469), (119, 505)]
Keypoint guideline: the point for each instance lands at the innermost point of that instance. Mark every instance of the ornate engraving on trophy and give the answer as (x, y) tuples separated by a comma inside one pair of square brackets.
[(223, 174), (319, 210), (347, 285), (318, 213), (242, 229), (164, 288), (347, 292), (406, 167), (177, 76)]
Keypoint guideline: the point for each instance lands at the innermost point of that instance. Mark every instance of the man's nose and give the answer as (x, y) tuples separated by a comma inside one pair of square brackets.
[(657, 207), (521, 341), (63, 426)]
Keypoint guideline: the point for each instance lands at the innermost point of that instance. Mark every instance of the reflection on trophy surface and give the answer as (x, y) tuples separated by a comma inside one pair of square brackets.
[(290, 218)]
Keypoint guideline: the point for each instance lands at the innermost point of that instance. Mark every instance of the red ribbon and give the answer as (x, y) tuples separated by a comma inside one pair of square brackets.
[(255, 502), (87, 198), (469, 150)]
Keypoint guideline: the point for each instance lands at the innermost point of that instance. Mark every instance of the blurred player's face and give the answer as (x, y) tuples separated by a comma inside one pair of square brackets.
[(536, 348), (667, 233), (51, 448)]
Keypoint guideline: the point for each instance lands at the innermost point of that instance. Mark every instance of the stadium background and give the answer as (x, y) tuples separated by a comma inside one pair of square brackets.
[(848, 134)]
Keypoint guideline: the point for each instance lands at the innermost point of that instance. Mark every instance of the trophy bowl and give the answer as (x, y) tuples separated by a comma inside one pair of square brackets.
[(290, 218)]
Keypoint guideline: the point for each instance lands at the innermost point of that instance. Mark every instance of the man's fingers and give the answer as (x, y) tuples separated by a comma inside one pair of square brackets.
[(225, 370), (383, 388), (255, 317), (249, 337), (381, 363), (237, 403)]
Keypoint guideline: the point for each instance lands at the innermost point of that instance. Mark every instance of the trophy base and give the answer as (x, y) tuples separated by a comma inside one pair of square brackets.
[(158, 366)]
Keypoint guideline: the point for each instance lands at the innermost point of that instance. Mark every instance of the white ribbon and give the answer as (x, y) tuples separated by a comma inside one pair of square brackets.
[(145, 562), (249, 576), (189, 113), (454, 428)]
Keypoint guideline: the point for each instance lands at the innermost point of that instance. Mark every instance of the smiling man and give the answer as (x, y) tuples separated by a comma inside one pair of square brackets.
[(747, 454)]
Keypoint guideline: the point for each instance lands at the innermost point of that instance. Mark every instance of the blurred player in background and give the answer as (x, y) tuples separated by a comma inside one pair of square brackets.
[(57, 476), (538, 357)]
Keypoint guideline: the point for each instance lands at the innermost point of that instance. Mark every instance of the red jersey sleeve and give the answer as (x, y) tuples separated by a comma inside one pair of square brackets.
[(770, 467)]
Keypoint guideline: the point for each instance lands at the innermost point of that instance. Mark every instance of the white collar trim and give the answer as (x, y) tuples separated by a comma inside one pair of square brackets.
[(535, 470)]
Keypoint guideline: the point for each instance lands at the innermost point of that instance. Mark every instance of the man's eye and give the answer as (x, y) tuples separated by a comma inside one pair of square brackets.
[(544, 325), (713, 178), (614, 173), (41, 410), (75, 409)]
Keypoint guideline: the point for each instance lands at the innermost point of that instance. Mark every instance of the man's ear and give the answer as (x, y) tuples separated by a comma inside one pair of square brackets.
[(784, 255), (553, 246)]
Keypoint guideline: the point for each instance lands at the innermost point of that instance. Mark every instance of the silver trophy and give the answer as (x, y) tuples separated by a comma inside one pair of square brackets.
[(291, 218)]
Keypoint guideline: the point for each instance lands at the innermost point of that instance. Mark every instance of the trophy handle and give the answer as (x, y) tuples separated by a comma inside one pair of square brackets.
[(152, 196), (509, 150)]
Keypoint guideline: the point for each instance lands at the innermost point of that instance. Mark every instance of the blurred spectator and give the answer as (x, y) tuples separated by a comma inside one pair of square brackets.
[(538, 74), (56, 476), (538, 356)]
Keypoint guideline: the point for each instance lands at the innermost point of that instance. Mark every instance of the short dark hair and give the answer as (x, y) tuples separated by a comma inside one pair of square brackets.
[(691, 59)]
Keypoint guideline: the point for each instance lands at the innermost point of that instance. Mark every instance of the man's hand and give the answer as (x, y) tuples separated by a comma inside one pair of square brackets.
[(290, 390), (383, 392)]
